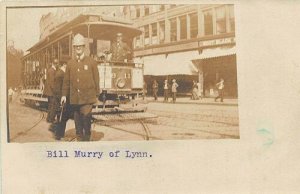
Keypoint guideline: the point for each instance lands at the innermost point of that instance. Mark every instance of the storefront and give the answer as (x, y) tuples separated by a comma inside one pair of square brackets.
[(171, 66), (214, 64)]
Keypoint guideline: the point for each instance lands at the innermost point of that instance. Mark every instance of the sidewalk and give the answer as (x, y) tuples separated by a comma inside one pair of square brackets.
[(188, 100)]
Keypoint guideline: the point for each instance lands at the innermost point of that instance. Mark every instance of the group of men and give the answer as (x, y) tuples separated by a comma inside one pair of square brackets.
[(167, 87), (73, 87)]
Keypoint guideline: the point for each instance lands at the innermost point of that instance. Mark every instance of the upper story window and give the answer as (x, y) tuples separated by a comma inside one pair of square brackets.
[(138, 12), (154, 29), (208, 22), (231, 18), (161, 7), (173, 29), (162, 32), (138, 42), (147, 35), (194, 25), (220, 20), (183, 27), (154, 33), (147, 10)]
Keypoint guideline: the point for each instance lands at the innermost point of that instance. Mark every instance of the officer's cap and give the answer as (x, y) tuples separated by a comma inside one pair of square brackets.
[(78, 40)]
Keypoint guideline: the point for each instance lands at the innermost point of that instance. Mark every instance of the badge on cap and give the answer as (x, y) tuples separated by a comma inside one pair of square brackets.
[(85, 67)]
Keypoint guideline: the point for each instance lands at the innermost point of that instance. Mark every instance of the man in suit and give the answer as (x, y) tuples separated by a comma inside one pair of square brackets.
[(120, 50), (81, 83), (166, 91), (62, 113), (48, 91), (220, 87)]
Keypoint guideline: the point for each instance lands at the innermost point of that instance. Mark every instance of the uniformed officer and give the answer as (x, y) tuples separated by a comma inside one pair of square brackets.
[(81, 83), (48, 90), (120, 50)]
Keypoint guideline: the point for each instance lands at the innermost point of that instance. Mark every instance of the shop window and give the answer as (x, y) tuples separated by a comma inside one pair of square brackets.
[(173, 29), (208, 23), (162, 32), (183, 28), (154, 33), (194, 25), (161, 7), (220, 20), (231, 18)]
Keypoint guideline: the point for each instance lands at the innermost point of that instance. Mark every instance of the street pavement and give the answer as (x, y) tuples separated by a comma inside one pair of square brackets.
[(180, 121)]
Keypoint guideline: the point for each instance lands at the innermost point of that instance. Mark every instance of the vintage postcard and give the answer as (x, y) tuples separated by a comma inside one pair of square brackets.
[(164, 72), (150, 97)]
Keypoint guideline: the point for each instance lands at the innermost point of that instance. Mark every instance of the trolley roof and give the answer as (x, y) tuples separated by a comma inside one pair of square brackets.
[(101, 27)]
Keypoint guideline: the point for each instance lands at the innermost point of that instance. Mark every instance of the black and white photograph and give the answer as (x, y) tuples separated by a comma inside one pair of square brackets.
[(122, 73)]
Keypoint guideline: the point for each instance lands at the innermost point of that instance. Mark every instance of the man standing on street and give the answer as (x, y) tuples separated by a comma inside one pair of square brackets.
[(155, 89), (62, 113), (220, 87), (174, 90), (81, 83), (48, 91), (166, 91), (10, 94)]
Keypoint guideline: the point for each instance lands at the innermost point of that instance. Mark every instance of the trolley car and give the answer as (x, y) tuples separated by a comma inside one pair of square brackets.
[(121, 82)]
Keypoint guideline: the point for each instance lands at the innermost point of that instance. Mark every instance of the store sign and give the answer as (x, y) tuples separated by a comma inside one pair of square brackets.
[(217, 42)]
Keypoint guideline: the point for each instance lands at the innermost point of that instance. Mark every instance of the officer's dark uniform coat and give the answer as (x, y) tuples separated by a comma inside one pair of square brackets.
[(49, 86), (81, 81)]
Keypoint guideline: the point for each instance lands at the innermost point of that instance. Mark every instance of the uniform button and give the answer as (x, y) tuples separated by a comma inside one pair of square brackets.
[(77, 80), (78, 70), (78, 90)]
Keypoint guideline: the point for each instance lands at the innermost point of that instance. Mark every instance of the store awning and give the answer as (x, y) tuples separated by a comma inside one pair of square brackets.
[(172, 64), (216, 52)]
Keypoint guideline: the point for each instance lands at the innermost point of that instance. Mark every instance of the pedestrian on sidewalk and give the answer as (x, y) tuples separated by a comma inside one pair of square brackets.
[(10, 94), (166, 91), (194, 91), (199, 90), (220, 87), (174, 90), (155, 89)]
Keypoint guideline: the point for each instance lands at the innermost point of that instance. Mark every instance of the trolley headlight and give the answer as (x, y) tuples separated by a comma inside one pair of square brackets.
[(121, 83)]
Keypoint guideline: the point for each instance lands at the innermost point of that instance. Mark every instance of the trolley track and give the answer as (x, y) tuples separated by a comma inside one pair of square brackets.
[(146, 136), (26, 131)]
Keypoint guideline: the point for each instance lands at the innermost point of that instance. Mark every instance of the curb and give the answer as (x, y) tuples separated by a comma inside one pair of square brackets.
[(199, 103)]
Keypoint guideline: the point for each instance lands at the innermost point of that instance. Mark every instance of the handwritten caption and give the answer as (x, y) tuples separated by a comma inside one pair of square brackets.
[(128, 154)]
